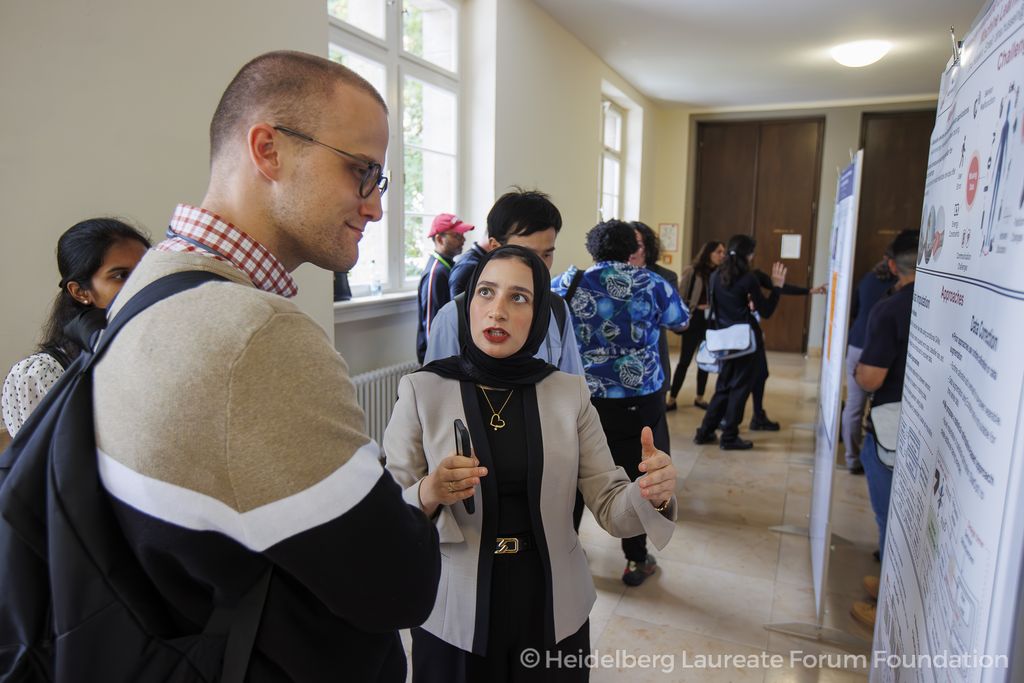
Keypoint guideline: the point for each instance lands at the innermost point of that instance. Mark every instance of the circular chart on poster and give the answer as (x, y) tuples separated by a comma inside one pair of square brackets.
[(971, 187)]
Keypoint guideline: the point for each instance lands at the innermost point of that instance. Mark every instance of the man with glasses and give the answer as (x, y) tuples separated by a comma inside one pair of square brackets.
[(227, 429)]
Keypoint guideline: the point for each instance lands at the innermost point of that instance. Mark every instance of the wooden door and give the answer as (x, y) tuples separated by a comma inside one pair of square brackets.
[(789, 160), (892, 189), (726, 177), (761, 178)]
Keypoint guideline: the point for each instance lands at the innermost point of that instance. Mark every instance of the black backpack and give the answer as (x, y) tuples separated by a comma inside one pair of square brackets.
[(75, 603)]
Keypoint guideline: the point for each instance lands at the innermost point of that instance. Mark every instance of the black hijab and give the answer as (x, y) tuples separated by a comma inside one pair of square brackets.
[(522, 367)]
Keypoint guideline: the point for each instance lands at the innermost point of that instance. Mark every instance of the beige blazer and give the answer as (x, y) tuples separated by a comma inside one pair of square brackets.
[(576, 455), (690, 274)]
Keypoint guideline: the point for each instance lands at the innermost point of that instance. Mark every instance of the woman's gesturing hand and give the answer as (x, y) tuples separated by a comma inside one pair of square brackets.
[(778, 274), (452, 481), (658, 485)]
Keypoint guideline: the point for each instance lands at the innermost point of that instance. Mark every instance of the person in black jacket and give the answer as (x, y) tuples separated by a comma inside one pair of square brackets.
[(734, 287), (760, 422), (448, 234)]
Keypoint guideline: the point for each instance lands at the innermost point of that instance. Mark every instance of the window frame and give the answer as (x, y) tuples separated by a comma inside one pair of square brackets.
[(399, 64), (616, 155)]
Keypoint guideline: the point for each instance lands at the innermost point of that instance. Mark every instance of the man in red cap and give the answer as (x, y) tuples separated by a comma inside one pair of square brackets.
[(447, 232)]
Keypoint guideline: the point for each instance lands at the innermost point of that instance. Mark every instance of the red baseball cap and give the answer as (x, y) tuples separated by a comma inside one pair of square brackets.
[(448, 221)]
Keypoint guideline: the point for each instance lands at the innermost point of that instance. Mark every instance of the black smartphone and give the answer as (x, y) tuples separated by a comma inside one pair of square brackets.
[(463, 448)]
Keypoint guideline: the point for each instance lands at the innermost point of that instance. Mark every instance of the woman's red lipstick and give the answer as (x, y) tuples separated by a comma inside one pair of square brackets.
[(496, 335)]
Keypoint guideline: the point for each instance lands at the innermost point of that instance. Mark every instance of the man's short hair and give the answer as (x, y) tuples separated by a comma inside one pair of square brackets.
[(285, 88), (903, 251), (522, 212), (612, 240)]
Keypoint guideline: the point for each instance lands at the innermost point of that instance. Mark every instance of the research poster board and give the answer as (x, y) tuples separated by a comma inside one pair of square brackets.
[(841, 251), (952, 563)]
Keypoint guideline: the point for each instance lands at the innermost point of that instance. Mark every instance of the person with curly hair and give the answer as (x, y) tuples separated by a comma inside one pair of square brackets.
[(618, 310)]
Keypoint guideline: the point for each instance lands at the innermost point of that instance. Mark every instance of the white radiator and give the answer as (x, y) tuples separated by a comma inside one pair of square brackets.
[(377, 392)]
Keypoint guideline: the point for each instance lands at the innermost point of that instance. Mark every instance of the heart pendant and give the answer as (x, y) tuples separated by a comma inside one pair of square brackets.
[(497, 422)]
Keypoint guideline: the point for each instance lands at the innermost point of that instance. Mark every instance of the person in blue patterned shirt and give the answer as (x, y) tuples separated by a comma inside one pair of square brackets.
[(618, 311)]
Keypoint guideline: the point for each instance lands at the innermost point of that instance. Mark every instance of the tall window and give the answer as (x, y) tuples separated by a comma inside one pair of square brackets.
[(408, 50), (612, 154)]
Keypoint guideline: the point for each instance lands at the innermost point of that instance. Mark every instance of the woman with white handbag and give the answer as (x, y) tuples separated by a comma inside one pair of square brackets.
[(734, 337)]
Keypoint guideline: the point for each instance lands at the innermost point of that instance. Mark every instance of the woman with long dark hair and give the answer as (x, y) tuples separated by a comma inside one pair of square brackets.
[(514, 575), (694, 290), (94, 258), (733, 288)]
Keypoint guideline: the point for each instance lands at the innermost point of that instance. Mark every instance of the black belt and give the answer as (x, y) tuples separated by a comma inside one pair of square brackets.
[(511, 545)]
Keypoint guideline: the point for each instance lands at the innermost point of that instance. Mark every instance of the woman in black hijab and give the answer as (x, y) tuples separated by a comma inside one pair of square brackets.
[(514, 580)]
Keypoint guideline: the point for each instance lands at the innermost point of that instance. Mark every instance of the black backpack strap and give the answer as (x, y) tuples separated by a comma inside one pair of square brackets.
[(155, 291), (460, 313), (573, 286), (558, 310), (240, 623), (689, 290)]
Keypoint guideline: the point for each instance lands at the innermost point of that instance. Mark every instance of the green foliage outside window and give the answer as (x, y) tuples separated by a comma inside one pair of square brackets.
[(412, 126)]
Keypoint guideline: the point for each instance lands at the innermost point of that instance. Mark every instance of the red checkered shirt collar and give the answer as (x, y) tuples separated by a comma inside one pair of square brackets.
[(198, 230)]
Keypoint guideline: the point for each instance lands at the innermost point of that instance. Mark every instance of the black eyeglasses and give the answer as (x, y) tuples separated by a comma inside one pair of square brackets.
[(373, 174)]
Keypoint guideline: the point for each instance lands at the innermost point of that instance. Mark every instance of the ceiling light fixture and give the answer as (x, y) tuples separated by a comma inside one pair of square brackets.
[(861, 52)]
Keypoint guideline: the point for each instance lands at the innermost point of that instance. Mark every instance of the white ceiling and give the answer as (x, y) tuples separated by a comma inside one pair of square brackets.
[(736, 53)]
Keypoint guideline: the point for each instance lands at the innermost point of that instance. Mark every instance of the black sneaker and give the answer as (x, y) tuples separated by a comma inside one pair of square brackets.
[(761, 423), (701, 438), (856, 468), (736, 444), (637, 572), (700, 403)]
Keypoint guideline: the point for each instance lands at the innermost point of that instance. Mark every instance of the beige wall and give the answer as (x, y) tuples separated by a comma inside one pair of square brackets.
[(106, 108), (548, 120)]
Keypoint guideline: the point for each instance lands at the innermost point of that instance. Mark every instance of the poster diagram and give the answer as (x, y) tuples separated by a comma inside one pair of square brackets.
[(951, 576)]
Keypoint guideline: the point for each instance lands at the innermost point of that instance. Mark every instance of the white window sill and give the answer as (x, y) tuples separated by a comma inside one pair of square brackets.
[(365, 307)]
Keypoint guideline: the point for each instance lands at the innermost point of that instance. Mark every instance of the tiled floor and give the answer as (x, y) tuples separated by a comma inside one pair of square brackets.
[(725, 575)]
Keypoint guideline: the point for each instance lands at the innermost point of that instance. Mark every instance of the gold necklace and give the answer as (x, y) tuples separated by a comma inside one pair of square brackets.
[(496, 420)]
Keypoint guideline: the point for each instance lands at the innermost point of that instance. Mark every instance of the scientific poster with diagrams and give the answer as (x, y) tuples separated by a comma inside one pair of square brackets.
[(833, 365), (952, 565)]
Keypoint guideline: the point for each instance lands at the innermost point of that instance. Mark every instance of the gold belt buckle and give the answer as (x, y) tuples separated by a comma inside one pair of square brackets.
[(507, 546)]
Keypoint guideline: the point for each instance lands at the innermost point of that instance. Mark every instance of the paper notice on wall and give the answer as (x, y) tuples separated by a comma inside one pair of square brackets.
[(790, 246)]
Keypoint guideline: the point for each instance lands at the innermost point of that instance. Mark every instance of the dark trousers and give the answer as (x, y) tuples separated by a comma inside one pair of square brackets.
[(760, 378), (692, 338), (731, 392), (622, 420), (515, 626)]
